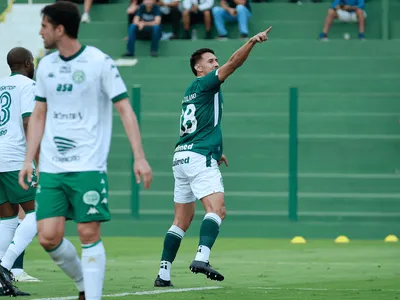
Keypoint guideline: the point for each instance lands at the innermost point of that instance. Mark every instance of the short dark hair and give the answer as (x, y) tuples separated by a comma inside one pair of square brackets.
[(17, 57), (196, 56), (64, 13)]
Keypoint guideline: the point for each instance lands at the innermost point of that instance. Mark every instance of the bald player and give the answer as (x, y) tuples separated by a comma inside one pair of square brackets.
[(17, 93)]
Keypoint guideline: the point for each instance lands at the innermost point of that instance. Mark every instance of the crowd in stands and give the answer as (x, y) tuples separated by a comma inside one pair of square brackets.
[(146, 17)]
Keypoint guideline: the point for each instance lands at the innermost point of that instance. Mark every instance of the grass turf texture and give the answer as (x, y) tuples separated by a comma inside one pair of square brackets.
[(253, 269)]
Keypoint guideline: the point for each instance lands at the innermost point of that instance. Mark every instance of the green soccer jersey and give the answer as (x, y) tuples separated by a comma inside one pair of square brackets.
[(200, 123)]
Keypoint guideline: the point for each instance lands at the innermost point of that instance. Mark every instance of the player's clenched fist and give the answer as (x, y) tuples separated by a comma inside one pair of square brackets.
[(261, 37), (142, 169)]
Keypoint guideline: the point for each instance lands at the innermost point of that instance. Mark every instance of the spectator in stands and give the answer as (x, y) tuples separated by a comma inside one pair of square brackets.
[(232, 11), (345, 11), (87, 5), (170, 13), (132, 9), (194, 12), (146, 23)]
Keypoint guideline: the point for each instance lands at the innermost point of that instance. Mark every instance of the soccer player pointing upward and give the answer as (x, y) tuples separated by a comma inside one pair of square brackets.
[(75, 92), (197, 157)]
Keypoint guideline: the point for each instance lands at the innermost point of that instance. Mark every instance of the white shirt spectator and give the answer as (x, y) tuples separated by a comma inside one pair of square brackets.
[(202, 4), (165, 10)]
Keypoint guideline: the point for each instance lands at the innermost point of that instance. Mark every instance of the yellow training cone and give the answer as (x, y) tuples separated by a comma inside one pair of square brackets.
[(298, 240), (391, 238), (341, 239)]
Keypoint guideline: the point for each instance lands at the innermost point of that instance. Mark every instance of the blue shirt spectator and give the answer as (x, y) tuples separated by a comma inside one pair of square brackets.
[(146, 24), (148, 16), (350, 11), (359, 3)]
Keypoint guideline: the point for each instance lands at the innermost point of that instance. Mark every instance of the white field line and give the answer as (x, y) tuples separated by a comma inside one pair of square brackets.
[(155, 292), (327, 290)]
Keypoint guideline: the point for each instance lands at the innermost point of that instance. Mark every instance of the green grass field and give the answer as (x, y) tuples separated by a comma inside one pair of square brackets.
[(253, 269)]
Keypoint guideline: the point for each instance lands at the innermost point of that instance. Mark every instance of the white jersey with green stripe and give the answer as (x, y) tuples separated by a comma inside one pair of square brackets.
[(79, 91), (200, 123), (17, 93)]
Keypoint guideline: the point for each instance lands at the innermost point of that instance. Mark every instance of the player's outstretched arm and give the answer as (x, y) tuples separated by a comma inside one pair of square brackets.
[(35, 133), (240, 56), (129, 120)]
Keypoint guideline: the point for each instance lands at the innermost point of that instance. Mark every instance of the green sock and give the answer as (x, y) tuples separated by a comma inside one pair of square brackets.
[(19, 262), (209, 231), (172, 242)]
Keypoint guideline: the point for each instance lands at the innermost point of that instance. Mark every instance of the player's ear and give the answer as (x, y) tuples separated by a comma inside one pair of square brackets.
[(197, 67), (60, 29)]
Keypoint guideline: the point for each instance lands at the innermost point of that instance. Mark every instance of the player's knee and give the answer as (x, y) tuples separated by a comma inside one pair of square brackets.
[(50, 233), (89, 233), (49, 239), (220, 211), (183, 222)]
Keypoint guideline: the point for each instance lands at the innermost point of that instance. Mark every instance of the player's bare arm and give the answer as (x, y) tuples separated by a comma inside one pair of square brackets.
[(240, 56), (129, 120), (36, 158), (35, 133)]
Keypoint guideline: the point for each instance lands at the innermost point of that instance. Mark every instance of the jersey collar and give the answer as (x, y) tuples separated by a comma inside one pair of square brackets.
[(75, 55), (15, 73)]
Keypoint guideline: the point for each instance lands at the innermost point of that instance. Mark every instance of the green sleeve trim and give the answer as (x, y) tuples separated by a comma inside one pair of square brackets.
[(120, 97), (25, 115), (41, 99)]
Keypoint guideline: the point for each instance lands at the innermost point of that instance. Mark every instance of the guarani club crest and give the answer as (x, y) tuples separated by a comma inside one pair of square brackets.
[(78, 76)]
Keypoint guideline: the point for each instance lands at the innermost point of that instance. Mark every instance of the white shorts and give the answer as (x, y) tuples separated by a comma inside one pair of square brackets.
[(348, 17), (193, 178)]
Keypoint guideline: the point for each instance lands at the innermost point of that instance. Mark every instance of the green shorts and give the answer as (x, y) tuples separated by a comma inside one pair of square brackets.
[(11, 191), (80, 196)]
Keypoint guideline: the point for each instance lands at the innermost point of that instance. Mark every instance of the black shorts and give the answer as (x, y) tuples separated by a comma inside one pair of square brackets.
[(198, 17)]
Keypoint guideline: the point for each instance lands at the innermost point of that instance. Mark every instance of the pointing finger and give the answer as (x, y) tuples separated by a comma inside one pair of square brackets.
[(268, 30)]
